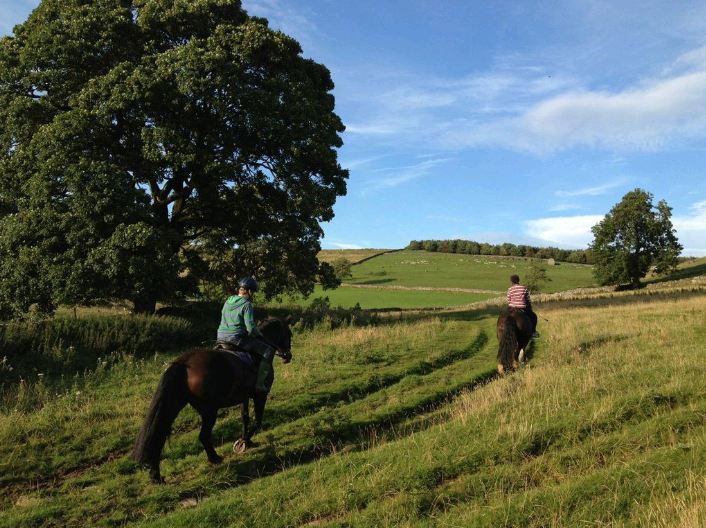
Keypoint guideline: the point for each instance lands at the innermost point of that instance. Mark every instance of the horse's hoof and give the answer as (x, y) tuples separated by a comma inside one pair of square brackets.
[(157, 479), (240, 446), (501, 370), (215, 460)]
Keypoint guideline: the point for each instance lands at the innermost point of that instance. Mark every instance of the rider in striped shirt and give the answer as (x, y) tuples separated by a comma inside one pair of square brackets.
[(518, 297)]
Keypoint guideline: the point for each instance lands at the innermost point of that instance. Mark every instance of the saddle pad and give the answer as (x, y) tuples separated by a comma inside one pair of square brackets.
[(242, 356)]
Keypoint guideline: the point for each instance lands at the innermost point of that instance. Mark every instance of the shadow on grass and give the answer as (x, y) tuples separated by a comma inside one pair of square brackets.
[(308, 404), (370, 282), (682, 273), (341, 435)]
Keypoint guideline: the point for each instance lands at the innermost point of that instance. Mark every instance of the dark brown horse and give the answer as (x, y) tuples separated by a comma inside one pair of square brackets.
[(514, 330), (207, 379)]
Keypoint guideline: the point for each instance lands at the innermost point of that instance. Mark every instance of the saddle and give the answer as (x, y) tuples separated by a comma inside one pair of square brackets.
[(241, 355)]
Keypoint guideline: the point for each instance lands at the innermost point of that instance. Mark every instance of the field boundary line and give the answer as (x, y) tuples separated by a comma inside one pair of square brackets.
[(420, 288), (375, 255)]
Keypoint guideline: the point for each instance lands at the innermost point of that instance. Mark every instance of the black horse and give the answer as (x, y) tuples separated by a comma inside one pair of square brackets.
[(514, 330), (208, 380)]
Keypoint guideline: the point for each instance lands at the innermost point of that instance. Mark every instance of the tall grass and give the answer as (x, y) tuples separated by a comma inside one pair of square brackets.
[(64, 344), (401, 423)]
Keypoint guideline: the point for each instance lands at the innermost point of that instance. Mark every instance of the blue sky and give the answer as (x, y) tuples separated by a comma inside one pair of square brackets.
[(500, 121)]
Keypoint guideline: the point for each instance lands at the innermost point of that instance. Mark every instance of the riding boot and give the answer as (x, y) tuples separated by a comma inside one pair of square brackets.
[(263, 371)]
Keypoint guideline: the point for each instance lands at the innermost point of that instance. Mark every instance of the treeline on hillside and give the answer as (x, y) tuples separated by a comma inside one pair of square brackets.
[(470, 247)]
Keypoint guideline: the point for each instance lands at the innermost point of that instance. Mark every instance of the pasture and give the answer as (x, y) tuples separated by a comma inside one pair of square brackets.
[(399, 423), (448, 270), (418, 279), (352, 255), (389, 298)]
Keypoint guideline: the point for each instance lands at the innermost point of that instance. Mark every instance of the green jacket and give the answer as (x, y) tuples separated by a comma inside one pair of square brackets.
[(237, 319)]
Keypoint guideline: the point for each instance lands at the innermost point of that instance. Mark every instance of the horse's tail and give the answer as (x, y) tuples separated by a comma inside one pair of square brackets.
[(508, 343), (168, 400)]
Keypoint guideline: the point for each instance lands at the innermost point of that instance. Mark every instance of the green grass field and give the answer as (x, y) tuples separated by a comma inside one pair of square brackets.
[(430, 273), (380, 298), (398, 424), (422, 268)]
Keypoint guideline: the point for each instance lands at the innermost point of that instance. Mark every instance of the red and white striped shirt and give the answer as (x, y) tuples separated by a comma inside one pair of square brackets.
[(518, 296)]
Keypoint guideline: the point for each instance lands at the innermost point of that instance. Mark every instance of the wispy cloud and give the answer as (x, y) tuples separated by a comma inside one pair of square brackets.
[(530, 110), (595, 190), (563, 207), (295, 21), (403, 105), (645, 118), (394, 176)]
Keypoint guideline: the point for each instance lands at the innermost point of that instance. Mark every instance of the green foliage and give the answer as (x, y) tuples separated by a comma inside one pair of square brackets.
[(632, 237), (145, 145), (320, 312), (342, 268), (65, 344), (535, 276), (470, 247)]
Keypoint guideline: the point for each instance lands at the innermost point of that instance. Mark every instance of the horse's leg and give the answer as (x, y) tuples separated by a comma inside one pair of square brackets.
[(521, 357), (259, 400), (241, 444), (245, 415), (208, 419)]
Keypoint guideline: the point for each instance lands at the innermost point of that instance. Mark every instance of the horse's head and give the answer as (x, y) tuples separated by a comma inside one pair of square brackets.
[(277, 332)]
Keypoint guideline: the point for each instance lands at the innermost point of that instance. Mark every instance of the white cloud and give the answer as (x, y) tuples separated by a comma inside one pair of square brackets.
[(564, 231), (575, 231), (595, 190), (642, 119), (393, 176), (295, 21), (691, 229), (564, 207), (529, 110)]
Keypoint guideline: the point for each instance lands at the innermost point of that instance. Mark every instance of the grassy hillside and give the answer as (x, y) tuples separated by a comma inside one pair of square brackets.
[(422, 268), (384, 298), (352, 255), (398, 424), (419, 279)]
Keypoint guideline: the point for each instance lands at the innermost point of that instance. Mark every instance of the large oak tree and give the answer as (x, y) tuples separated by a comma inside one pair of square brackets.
[(137, 136), (634, 236)]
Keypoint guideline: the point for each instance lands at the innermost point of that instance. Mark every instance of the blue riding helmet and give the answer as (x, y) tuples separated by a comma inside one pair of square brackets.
[(248, 283)]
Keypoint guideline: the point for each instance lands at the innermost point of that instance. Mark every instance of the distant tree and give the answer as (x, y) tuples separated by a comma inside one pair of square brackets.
[(342, 268), (415, 244), (632, 237), (431, 245), (536, 276), (132, 133)]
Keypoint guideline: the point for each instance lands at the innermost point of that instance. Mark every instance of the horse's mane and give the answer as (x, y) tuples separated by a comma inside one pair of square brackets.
[(269, 322)]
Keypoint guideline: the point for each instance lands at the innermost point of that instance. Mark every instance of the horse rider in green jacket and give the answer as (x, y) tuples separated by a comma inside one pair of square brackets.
[(238, 328)]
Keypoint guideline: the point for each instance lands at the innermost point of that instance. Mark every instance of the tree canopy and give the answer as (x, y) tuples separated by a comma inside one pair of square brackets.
[(146, 144), (634, 236)]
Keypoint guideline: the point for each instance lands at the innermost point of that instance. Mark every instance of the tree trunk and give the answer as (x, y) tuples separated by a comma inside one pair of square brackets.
[(144, 304)]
